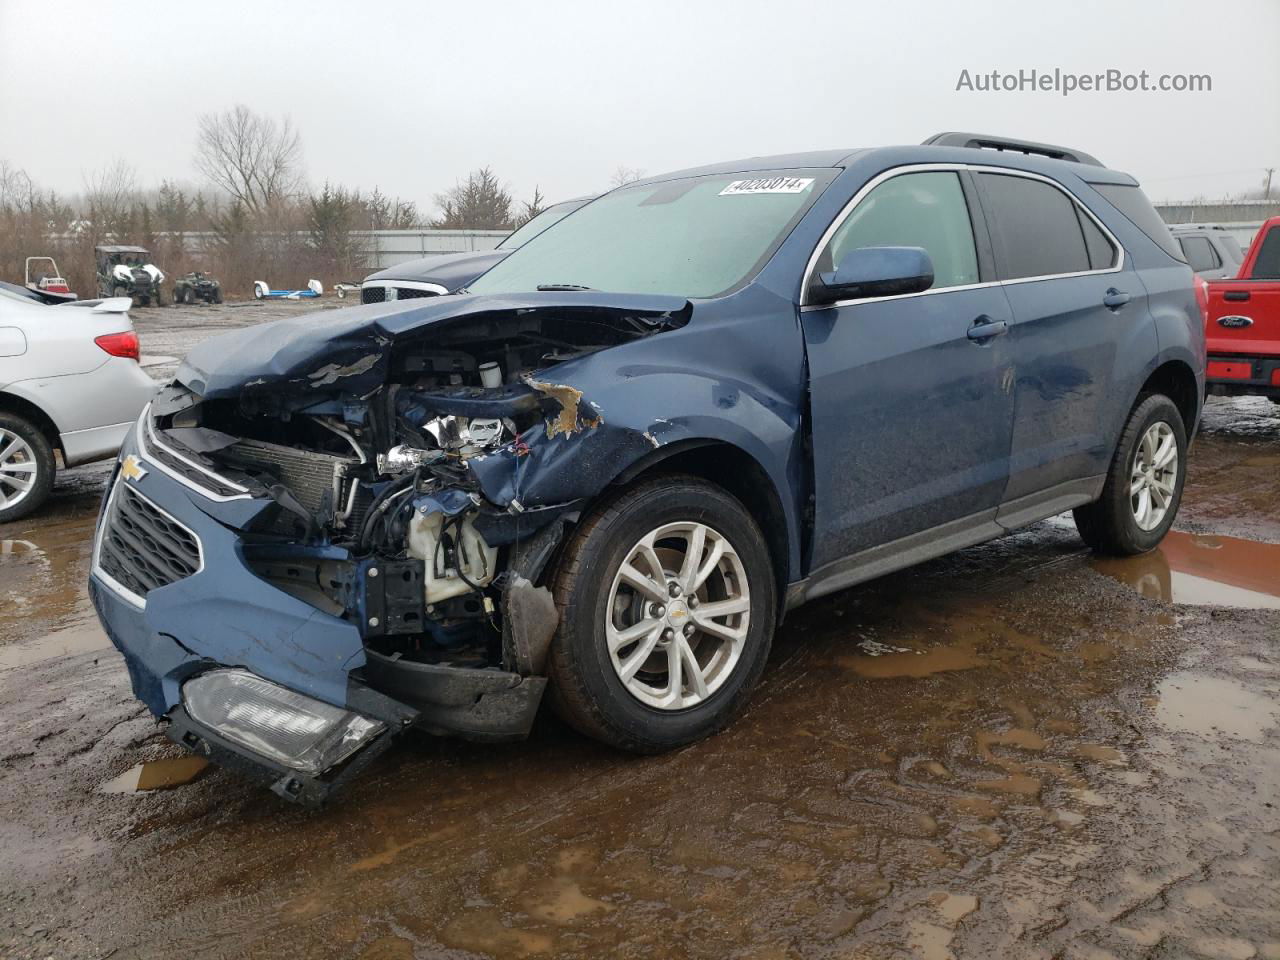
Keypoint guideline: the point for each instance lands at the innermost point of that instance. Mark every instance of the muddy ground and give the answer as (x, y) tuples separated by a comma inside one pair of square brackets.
[(1016, 751)]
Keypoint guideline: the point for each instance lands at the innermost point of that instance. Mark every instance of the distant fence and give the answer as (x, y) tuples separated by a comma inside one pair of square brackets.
[(389, 247), (1251, 212), (1240, 220)]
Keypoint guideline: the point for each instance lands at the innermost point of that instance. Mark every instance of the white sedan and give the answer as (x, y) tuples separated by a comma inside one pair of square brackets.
[(69, 381)]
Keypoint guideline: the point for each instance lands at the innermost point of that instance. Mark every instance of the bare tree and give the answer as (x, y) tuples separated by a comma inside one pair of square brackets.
[(532, 208), (252, 158), (624, 175), (109, 197)]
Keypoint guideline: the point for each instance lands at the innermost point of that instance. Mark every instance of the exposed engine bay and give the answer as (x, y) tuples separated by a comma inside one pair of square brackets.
[(418, 489)]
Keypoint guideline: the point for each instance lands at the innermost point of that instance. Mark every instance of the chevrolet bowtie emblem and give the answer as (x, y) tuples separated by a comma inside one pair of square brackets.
[(131, 468)]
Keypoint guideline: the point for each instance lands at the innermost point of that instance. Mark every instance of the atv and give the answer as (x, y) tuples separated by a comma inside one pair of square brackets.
[(197, 286), (125, 272)]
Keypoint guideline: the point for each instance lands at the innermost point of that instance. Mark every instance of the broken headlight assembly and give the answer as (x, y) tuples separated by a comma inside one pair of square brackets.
[(294, 730)]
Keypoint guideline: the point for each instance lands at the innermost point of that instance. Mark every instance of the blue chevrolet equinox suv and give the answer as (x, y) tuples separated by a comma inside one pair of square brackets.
[(606, 469)]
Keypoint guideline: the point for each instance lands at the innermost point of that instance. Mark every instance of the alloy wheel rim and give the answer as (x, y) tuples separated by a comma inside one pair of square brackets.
[(1154, 476), (678, 615), (17, 469)]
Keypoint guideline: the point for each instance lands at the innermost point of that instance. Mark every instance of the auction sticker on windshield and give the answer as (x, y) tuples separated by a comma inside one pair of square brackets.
[(768, 185)]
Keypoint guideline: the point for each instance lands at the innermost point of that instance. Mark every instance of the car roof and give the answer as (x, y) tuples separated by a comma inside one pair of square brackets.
[(120, 248), (948, 148)]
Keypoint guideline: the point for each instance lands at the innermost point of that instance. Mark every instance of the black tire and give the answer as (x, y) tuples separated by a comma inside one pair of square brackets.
[(159, 297), (1109, 525), (586, 690), (42, 456), (217, 294), (120, 292)]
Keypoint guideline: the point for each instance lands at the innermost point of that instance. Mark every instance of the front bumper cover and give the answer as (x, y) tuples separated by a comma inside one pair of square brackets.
[(226, 616)]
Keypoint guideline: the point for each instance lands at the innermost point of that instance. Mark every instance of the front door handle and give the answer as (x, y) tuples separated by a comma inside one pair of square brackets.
[(984, 328), (1115, 299)]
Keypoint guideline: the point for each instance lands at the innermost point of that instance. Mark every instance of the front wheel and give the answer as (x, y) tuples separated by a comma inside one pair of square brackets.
[(667, 609), (1144, 483), (26, 467)]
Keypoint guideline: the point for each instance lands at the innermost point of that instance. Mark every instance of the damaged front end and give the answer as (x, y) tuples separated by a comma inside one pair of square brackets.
[(324, 532)]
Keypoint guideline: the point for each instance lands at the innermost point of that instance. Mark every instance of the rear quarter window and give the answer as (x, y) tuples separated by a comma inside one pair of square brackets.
[(1133, 203)]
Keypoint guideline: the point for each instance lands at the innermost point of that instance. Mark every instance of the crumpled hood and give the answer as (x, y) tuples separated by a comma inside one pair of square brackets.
[(347, 350)]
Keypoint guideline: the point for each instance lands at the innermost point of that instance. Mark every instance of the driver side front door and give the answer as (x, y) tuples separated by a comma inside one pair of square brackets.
[(911, 396)]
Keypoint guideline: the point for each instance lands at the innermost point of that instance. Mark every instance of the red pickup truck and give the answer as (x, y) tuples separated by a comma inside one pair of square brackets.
[(1242, 326)]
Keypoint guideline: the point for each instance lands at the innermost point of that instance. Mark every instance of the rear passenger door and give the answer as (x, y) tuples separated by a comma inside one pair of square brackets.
[(1061, 273)]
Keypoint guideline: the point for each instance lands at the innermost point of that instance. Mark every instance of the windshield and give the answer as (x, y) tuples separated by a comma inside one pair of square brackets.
[(547, 218), (692, 237)]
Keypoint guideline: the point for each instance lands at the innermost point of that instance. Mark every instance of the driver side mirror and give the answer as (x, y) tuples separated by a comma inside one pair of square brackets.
[(874, 272)]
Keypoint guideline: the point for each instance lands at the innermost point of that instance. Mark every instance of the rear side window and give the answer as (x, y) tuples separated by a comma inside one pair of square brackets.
[(913, 210), (1267, 266), (1200, 253), (1037, 231), (1133, 203)]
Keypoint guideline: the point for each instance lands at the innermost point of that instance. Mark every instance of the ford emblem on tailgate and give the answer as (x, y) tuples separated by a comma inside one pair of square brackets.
[(1234, 322)]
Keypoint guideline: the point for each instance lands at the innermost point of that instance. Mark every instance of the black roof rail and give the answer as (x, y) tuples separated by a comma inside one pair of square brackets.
[(983, 142)]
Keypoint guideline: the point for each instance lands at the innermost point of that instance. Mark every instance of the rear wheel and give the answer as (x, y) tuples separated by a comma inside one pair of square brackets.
[(1144, 483), (120, 291), (667, 610), (26, 467)]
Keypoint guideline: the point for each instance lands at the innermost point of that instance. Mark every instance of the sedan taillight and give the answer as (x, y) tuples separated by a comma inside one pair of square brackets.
[(1202, 297), (120, 344)]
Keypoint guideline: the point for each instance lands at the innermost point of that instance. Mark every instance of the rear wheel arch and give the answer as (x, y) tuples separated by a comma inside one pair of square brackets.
[(12, 403), (1176, 380), (736, 472)]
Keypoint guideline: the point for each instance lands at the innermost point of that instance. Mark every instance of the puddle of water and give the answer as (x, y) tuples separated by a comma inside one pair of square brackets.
[(1209, 706), (80, 638), (157, 775), (1100, 753), (1190, 568), (954, 906), (913, 664), (563, 902)]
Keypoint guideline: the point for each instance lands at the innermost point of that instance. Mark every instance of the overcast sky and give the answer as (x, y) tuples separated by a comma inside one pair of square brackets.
[(559, 93)]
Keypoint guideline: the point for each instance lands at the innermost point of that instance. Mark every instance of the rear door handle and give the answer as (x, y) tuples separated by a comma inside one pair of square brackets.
[(984, 328), (1115, 299)]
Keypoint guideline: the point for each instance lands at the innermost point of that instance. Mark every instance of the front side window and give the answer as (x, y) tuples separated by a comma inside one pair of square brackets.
[(913, 210), (1035, 228), (690, 237)]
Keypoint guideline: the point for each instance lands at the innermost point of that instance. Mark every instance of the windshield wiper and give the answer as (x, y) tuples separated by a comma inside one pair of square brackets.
[(552, 287)]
